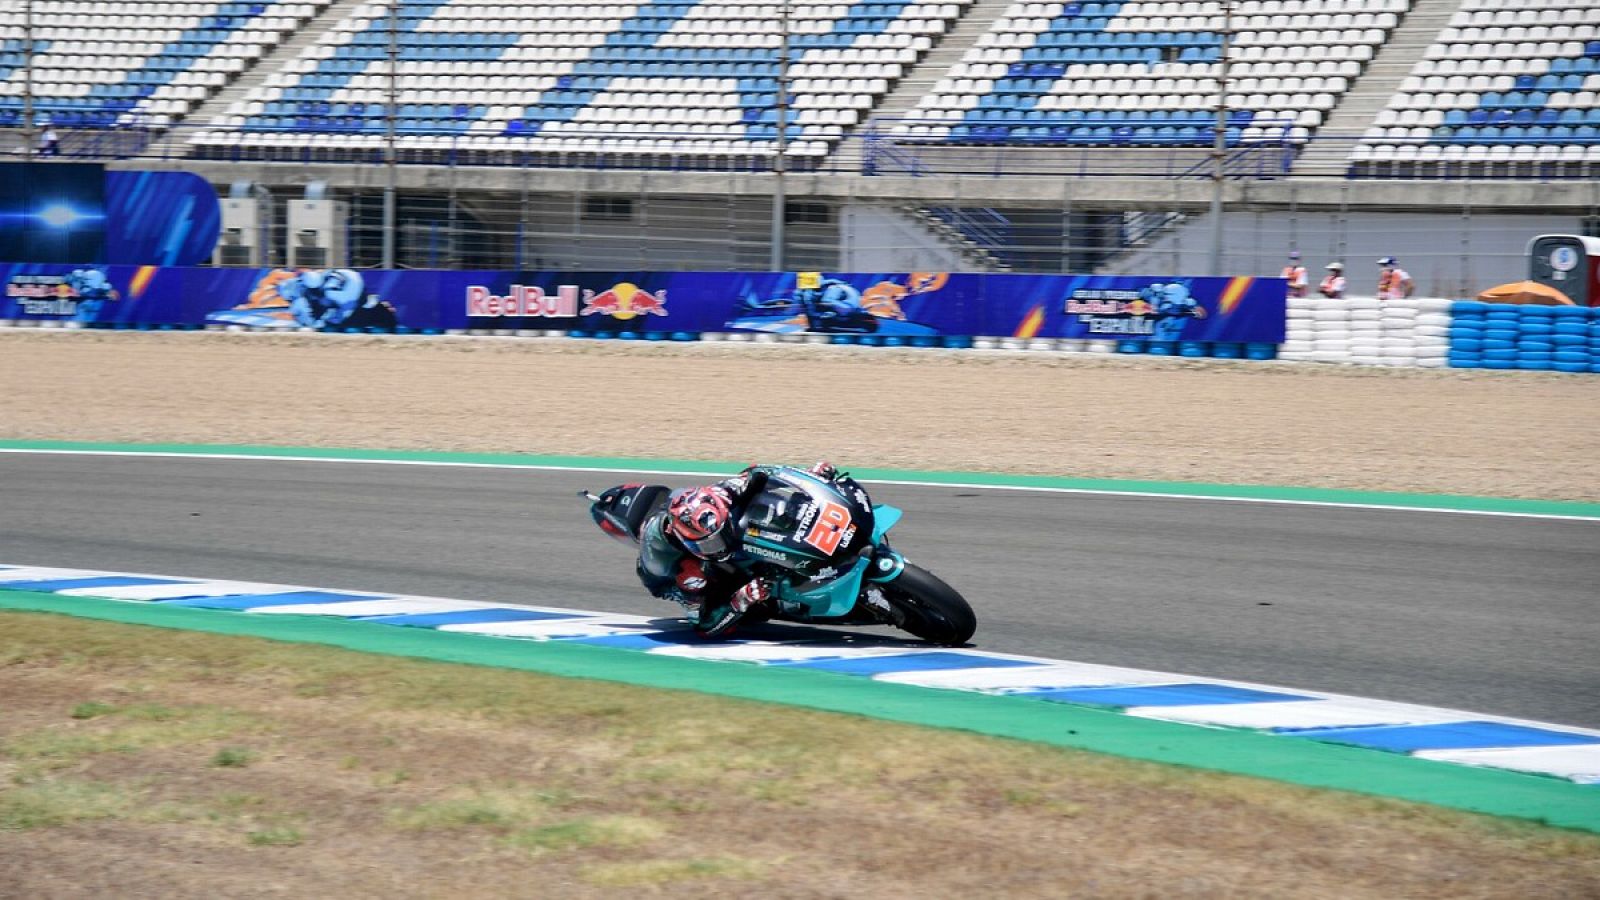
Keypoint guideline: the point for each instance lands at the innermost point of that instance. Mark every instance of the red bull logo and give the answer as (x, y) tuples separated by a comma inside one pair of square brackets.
[(523, 300), (40, 287), (624, 301), (1107, 303)]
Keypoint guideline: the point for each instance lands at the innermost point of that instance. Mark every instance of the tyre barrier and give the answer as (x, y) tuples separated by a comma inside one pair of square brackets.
[(1426, 333), (1517, 336), (1199, 349), (1368, 331)]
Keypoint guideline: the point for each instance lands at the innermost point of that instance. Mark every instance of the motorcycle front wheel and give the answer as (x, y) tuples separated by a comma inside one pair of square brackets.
[(932, 610)]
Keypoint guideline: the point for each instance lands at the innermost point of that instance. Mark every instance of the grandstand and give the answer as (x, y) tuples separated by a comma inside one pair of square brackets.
[(1505, 85), (910, 105)]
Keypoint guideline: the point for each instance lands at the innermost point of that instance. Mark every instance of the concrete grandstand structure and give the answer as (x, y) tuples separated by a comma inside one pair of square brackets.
[(993, 135)]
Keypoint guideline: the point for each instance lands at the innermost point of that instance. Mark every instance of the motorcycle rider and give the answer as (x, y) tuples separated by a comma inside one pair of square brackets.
[(700, 526), (831, 305)]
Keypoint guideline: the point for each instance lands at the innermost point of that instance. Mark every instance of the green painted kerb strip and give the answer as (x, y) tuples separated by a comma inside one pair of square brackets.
[(621, 464), (1549, 800)]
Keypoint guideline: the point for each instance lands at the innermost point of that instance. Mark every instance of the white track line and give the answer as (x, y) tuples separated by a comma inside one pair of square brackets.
[(964, 485)]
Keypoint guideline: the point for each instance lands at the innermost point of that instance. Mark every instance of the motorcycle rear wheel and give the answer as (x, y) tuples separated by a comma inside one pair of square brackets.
[(933, 610)]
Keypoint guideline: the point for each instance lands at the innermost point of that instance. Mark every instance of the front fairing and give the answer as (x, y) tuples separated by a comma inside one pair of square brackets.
[(804, 525), (830, 596), (817, 535), (833, 592)]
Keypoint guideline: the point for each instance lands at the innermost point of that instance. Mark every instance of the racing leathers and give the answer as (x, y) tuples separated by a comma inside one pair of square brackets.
[(715, 597)]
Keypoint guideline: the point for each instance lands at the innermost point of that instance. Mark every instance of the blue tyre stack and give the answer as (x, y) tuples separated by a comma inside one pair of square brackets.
[(1569, 339), (1502, 333), (1468, 320), (1513, 336), (1535, 328)]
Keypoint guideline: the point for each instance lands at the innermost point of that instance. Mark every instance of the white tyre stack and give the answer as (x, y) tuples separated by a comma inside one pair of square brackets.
[(1366, 331), (1432, 333), (1330, 338), (1398, 345), (1300, 330)]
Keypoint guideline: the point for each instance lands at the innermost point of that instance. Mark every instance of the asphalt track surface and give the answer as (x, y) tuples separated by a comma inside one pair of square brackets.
[(1497, 615)]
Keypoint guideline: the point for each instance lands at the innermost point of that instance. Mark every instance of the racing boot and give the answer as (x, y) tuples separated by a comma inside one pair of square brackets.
[(717, 621)]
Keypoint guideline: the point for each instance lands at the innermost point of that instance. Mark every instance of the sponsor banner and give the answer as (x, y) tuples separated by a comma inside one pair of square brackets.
[(1124, 307), (908, 305), (160, 218)]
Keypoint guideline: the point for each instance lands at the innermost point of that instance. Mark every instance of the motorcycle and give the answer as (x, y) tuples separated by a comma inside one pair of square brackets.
[(824, 546)]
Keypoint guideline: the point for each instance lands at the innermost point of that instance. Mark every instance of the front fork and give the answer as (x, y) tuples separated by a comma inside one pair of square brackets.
[(886, 566)]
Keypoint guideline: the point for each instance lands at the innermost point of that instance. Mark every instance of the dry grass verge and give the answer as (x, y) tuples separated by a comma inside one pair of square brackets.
[(141, 762)]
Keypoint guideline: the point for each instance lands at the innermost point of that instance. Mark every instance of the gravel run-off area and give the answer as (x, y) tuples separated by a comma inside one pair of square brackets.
[(1511, 434)]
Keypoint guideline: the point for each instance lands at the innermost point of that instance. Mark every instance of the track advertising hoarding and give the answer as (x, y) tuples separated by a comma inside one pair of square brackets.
[(906, 305)]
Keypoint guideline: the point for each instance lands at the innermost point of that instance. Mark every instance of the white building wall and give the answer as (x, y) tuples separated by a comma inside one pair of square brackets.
[(881, 239), (1448, 255)]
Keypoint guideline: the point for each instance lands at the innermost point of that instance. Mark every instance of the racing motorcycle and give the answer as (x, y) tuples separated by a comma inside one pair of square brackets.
[(823, 544)]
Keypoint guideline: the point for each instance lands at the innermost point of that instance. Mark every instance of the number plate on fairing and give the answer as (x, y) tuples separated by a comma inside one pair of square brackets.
[(804, 524)]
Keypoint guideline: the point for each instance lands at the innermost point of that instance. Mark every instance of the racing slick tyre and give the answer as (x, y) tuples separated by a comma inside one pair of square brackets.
[(932, 609)]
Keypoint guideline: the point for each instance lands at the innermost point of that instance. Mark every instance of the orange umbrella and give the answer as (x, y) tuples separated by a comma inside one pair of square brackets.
[(1531, 292)]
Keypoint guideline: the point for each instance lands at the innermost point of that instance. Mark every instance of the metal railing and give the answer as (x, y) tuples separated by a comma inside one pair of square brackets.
[(870, 149)]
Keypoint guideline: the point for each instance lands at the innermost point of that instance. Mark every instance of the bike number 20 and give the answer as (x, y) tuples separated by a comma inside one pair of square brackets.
[(832, 522)]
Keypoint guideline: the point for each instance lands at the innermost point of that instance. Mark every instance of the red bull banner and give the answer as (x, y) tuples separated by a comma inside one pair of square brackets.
[(898, 304)]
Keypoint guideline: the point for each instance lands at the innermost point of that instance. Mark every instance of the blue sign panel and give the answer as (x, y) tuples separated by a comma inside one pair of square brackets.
[(916, 304)]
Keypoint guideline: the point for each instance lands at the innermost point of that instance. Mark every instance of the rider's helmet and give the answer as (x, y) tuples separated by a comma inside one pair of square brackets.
[(314, 280), (702, 520)]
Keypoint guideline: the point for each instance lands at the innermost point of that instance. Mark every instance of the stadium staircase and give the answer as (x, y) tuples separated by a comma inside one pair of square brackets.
[(1328, 154), (857, 147), (948, 231), (903, 97), (175, 144)]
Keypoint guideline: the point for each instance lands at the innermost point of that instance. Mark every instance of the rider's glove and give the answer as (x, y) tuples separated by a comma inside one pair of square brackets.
[(824, 470), (754, 593)]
